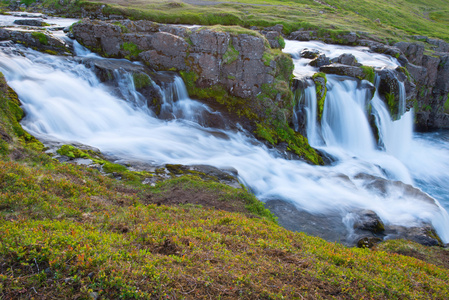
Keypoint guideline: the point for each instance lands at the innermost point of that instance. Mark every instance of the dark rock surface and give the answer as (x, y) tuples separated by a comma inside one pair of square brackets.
[(42, 41), (30, 22), (345, 70)]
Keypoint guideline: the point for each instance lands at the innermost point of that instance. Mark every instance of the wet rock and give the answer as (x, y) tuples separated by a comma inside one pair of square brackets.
[(30, 22), (368, 220), (310, 53), (328, 227), (419, 74), (368, 242), (424, 235), (345, 70), (226, 176), (389, 50), (42, 41), (347, 59), (319, 61)]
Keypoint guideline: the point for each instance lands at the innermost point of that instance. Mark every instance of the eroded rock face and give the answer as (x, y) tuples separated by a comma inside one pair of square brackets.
[(345, 70), (43, 41), (240, 63)]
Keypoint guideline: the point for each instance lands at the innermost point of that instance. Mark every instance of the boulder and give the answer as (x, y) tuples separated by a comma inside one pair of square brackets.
[(347, 59), (320, 60), (310, 53), (440, 46), (368, 220), (43, 41), (30, 22), (413, 51), (345, 70), (368, 242)]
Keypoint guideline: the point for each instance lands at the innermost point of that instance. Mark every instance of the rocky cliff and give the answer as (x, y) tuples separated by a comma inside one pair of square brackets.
[(230, 66), (425, 72)]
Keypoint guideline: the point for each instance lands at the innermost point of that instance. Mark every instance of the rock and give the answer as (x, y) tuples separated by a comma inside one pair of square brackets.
[(440, 46), (442, 82), (310, 53), (413, 51), (43, 41), (273, 38), (368, 220), (169, 44), (320, 60), (347, 59), (208, 41), (389, 50), (368, 242), (278, 28), (431, 64), (344, 70), (30, 22), (419, 74), (301, 35), (424, 235)]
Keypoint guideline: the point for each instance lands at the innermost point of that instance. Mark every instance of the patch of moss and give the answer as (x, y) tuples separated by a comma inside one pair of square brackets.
[(141, 80), (42, 38), (231, 54), (321, 91), (368, 73), (72, 152), (132, 49), (281, 42)]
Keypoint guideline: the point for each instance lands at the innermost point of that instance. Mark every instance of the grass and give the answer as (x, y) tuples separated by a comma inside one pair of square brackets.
[(69, 231), (389, 20)]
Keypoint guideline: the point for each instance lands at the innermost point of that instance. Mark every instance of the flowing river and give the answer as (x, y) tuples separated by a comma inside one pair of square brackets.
[(65, 102)]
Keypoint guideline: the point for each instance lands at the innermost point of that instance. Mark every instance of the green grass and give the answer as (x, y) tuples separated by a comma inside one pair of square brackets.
[(69, 231), (399, 19)]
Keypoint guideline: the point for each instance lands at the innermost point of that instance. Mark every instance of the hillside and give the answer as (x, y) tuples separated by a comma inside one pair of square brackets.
[(69, 230), (387, 20)]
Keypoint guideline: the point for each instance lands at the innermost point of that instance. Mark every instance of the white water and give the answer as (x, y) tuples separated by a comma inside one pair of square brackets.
[(64, 101)]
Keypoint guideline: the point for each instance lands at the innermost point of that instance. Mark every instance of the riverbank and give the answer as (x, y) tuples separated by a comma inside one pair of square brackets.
[(68, 230)]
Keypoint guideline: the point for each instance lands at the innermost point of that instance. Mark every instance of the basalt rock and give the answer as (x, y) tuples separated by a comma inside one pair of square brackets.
[(347, 59), (30, 22), (345, 70), (240, 63), (42, 41), (320, 60)]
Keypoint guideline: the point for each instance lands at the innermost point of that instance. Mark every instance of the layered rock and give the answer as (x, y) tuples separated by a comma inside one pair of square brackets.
[(225, 65), (42, 41)]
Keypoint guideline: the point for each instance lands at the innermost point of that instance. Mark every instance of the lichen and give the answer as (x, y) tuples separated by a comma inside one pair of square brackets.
[(230, 55)]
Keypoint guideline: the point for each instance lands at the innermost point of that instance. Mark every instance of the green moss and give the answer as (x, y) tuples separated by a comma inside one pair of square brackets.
[(109, 167), (132, 49), (141, 80), (71, 151), (368, 73), (231, 54), (42, 38), (391, 102), (51, 52), (446, 105), (281, 42), (123, 28), (321, 92)]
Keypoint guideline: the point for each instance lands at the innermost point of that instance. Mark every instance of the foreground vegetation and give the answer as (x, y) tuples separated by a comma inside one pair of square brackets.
[(388, 20), (69, 231)]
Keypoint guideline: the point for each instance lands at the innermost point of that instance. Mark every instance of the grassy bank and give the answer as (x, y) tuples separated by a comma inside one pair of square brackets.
[(69, 231), (389, 20)]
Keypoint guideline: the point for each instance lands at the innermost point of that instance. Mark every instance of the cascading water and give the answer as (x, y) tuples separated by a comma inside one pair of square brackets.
[(64, 101)]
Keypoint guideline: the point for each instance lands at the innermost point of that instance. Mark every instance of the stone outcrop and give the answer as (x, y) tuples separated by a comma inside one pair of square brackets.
[(232, 68), (239, 62), (30, 22), (42, 41)]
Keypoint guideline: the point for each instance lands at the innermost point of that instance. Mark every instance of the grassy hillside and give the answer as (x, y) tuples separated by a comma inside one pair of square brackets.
[(69, 231), (387, 19)]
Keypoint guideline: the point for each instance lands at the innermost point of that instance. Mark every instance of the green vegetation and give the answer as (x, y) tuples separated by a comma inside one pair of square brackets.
[(446, 105), (321, 91), (68, 231), (42, 38), (231, 54), (132, 49), (141, 80), (368, 73), (388, 20)]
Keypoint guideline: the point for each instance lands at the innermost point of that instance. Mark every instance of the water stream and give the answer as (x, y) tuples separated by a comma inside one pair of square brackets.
[(64, 101)]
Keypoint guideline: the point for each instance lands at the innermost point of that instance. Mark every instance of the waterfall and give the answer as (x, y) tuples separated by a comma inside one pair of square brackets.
[(64, 101)]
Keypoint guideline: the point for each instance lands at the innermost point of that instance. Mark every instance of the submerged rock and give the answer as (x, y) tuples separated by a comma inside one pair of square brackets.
[(30, 22)]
